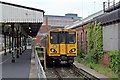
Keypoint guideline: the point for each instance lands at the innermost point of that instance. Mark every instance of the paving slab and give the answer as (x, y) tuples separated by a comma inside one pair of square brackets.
[(32, 74)]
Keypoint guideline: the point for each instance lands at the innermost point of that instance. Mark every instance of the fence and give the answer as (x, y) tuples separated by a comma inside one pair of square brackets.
[(39, 68)]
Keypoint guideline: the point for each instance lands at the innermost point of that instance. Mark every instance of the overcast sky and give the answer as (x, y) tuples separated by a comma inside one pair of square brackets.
[(60, 7)]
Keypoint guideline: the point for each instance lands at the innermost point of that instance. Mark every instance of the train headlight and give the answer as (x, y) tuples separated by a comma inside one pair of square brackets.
[(73, 50), (53, 50)]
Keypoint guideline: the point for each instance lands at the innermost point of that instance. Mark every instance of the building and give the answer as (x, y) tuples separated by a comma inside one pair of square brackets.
[(60, 21), (53, 21), (110, 21)]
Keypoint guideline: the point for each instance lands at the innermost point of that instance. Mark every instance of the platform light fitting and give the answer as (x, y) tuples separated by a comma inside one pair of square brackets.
[(9, 25), (34, 38), (29, 27)]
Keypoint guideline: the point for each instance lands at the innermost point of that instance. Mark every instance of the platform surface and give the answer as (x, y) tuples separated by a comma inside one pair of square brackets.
[(19, 69)]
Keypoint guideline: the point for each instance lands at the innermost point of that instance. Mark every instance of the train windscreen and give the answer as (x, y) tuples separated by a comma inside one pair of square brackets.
[(54, 38), (71, 37), (62, 37)]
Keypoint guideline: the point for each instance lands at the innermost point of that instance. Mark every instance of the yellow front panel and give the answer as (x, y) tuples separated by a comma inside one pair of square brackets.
[(56, 47), (69, 47), (72, 54), (62, 49)]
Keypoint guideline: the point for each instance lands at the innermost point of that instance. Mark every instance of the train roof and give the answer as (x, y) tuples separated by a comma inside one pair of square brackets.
[(58, 30)]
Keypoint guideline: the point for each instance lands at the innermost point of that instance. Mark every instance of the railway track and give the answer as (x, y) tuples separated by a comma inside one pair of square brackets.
[(58, 75), (72, 72), (83, 73)]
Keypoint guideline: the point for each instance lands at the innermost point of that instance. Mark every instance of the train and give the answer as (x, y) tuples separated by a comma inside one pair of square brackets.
[(61, 45)]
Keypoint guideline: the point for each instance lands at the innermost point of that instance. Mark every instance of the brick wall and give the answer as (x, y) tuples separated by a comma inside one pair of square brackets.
[(38, 40), (82, 37), (85, 40), (79, 31), (105, 60), (43, 29)]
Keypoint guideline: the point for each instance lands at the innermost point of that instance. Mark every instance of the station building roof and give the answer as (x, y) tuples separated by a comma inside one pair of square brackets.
[(25, 16)]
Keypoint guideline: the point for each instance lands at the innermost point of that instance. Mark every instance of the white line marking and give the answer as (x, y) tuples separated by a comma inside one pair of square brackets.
[(5, 60)]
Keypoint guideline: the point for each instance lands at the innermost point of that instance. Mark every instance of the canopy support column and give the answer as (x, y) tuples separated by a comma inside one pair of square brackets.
[(25, 43), (9, 43), (18, 42), (13, 44), (4, 33)]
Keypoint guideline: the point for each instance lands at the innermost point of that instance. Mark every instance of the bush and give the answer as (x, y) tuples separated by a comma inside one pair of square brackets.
[(80, 52), (90, 57), (114, 60)]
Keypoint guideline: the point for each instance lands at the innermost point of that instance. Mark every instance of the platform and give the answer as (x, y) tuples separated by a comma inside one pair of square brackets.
[(20, 69)]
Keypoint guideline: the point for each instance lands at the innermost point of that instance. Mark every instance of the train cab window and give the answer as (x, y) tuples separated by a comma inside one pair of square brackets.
[(54, 38), (71, 38), (62, 37)]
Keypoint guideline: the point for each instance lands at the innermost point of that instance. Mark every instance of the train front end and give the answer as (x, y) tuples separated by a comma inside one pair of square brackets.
[(62, 46)]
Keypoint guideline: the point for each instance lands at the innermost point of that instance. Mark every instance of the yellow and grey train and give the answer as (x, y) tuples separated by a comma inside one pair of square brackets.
[(61, 45)]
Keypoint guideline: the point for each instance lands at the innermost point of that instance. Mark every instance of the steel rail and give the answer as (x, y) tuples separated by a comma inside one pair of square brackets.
[(84, 74), (57, 73)]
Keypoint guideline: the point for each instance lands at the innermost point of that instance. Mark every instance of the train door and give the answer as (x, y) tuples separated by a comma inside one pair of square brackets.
[(62, 41), (71, 44)]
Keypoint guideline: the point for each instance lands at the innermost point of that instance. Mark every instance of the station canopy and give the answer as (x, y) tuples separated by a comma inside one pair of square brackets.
[(30, 19)]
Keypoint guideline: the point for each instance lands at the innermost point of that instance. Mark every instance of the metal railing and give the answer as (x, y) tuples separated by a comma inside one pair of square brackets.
[(110, 6), (39, 69)]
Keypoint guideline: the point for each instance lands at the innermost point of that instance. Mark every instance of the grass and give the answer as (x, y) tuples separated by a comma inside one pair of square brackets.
[(98, 67)]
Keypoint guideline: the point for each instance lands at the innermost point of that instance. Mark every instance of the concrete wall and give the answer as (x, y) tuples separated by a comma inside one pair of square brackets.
[(110, 37), (119, 36), (43, 30), (82, 38), (85, 39)]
